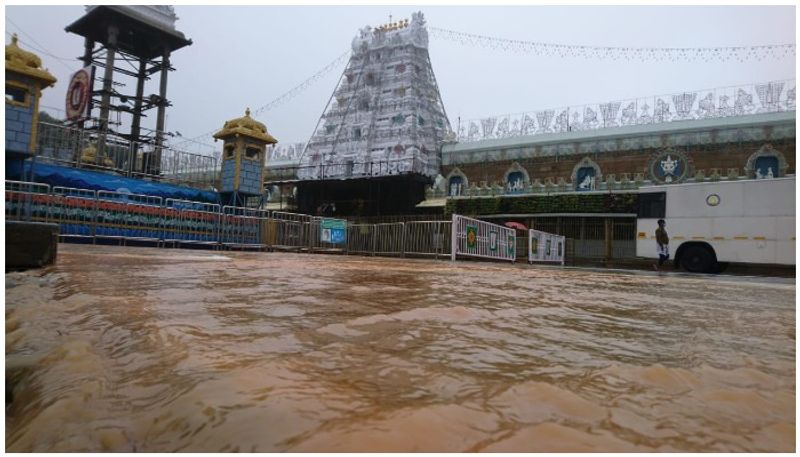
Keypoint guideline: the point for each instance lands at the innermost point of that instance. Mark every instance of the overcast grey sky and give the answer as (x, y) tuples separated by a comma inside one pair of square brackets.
[(248, 55)]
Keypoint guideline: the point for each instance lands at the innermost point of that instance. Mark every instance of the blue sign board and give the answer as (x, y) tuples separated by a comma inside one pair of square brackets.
[(333, 231)]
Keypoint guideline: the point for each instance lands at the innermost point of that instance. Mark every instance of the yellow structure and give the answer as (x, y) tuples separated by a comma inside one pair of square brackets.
[(25, 80), (243, 157)]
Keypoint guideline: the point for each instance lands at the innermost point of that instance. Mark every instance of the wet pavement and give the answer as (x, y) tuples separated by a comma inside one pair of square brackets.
[(141, 349)]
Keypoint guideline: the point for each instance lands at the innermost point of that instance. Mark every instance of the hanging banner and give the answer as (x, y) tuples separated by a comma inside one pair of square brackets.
[(79, 92), (333, 231)]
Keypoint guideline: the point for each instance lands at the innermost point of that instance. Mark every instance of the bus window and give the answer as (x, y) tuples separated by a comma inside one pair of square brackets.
[(652, 205)]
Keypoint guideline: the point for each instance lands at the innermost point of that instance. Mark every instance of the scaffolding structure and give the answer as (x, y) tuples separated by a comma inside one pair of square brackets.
[(134, 41)]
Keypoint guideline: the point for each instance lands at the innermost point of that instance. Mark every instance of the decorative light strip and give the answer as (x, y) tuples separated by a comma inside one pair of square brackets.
[(283, 98), (703, 54)]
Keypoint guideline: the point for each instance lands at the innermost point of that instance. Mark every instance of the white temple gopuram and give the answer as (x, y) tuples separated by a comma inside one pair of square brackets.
[(386, 116)]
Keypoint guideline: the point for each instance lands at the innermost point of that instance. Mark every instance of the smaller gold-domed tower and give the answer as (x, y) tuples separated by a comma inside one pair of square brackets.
[(25, 80), (243, 158)]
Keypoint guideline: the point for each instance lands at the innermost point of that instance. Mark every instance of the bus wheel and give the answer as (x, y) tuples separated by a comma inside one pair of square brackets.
[(698, 259)]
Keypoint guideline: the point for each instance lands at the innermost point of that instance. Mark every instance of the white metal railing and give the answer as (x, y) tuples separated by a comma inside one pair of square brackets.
[(287, 234), (117, 215), (390, 239), (428, 238), (476, 238), (74, 210), (102, 215), (191, 222), (361, 239), (23, 201), (243, 227), (286, 216), (75, 147), (362, 169)]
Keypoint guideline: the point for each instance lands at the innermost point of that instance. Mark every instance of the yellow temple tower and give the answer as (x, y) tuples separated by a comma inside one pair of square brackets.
[(25, 80), (243, 158)]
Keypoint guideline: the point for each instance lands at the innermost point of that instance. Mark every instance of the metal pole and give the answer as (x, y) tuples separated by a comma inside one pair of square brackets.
[(108, 78), (137, 114), (453, 238), (374, 236), (403, 238), (162, 107), (88, 48)]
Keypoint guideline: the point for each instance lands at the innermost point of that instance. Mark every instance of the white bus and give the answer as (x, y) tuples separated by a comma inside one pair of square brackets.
[(711, 224)]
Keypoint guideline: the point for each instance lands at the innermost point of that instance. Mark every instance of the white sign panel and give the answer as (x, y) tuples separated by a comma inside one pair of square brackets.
[(545, 247)]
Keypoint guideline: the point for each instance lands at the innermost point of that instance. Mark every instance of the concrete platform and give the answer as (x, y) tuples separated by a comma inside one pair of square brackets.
[(30, 244)]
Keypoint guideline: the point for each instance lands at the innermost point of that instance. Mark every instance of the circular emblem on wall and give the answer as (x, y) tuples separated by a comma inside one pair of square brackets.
[(669, 166), (78, 94), (712, 200)]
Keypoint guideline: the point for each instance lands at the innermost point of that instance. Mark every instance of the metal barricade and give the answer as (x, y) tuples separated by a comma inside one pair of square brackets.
[(124, 216), (327, 234), (475, 238), (389, 239), (546, 247), (296, 217), (289, 230), (74, 211), (624, 238), (591, 243), (361, 239), (428, 238), (283, 234), (60, 144), (190, 222), (27, 201), (243, 228)]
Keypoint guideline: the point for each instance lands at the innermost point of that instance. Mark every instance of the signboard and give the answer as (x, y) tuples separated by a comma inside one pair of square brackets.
[(78, 94), (333, 231), (492, 241), (545, 247), (472, 236)]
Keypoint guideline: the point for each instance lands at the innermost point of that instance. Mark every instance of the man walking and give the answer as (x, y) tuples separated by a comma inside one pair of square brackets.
[(662, 240)]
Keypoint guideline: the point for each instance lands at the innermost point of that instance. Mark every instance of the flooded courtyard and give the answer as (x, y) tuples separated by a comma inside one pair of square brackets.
[(139, 349)]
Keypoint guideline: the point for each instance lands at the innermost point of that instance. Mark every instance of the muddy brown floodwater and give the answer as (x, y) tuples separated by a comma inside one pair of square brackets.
[(123, 349)]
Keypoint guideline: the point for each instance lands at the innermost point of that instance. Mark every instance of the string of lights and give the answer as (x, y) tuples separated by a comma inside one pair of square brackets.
[(38, 48), (304, 85), (704, 54), (283, 98)]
